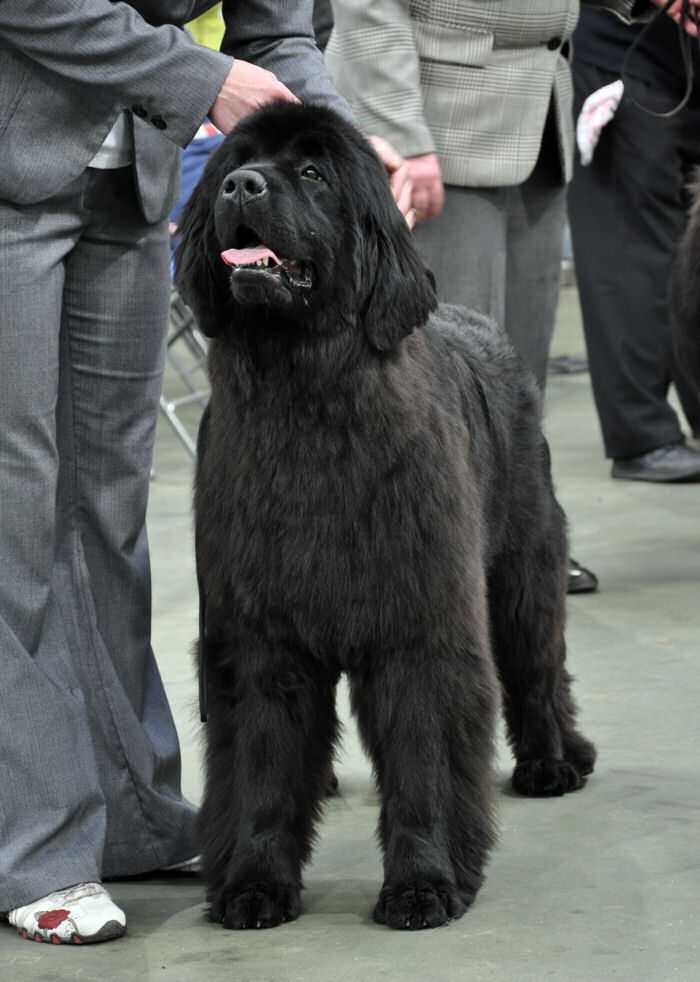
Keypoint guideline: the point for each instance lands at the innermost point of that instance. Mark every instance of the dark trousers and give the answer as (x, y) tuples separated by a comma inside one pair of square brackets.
[(627, 212)]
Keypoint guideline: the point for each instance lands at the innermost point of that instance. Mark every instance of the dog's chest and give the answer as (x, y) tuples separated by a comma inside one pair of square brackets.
[(314, 481), (333, 515)]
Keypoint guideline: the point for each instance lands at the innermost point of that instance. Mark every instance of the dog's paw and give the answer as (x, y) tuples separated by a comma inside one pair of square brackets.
[(256, 905), (419, 904), (546, 778)]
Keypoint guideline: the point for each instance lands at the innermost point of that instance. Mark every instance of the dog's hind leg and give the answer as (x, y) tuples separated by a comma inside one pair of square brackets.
[(427, 723), (270, 735), (527, 597)]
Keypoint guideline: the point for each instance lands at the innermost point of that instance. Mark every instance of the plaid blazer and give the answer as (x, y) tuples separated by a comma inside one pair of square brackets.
[(472, 80)]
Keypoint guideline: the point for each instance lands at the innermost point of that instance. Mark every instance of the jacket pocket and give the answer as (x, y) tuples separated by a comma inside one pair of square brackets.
[(468, 47)]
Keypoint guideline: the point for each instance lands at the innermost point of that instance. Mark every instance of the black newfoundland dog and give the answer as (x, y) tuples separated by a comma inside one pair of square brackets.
[(373, 496)]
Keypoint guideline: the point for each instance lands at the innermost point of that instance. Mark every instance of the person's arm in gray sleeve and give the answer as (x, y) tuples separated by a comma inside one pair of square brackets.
[(159, 69), (278, 35)]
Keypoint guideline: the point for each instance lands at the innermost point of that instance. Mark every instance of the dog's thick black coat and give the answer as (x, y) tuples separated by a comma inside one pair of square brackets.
[(373, 496)]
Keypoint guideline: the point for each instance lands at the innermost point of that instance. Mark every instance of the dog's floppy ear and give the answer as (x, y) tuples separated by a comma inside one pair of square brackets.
[(398, 288), (200, 276)]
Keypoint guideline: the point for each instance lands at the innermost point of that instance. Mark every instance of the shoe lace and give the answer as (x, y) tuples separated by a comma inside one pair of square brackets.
[(78, 892)]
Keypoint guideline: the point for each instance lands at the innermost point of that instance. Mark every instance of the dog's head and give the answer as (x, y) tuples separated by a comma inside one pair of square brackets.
[(294, 215)]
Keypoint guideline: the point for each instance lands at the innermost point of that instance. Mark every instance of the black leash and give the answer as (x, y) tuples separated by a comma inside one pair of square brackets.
[(690, 12)]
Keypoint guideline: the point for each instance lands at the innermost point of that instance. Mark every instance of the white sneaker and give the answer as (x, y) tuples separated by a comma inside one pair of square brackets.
[(81, 914)]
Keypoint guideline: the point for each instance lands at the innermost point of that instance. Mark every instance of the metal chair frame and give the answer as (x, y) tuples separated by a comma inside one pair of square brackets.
[(187, 354)]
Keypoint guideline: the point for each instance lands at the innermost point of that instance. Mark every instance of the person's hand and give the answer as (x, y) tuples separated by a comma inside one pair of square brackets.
[(246, 88), (675, 10), (399, 179), (428, 190)]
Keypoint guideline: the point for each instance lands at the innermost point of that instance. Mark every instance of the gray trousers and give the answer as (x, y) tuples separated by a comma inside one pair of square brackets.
[(499, 250), (89, 757)]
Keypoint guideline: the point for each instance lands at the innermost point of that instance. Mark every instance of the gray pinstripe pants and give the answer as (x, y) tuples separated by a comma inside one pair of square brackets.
[(89, 757)]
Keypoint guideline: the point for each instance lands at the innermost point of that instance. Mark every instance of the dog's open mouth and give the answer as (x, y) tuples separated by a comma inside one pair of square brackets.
[(260, 260)]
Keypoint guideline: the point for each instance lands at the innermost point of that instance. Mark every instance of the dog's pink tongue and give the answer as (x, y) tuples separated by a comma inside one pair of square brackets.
[(243, 257)]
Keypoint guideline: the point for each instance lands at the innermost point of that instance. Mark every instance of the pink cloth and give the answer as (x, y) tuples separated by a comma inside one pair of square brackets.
[(598, 109)]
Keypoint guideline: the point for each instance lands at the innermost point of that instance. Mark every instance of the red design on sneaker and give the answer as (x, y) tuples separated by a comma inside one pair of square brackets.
[(52, 918)]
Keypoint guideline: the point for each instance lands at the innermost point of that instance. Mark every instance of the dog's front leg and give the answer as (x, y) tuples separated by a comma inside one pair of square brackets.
[(270, 734), (428, 723)]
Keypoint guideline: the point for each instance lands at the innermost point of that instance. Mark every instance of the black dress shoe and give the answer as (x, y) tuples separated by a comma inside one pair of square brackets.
[(672, 462), (581, 580)]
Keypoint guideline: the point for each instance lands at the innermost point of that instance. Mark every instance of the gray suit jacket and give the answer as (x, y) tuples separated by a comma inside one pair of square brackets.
[(472, 80), (66, 75)]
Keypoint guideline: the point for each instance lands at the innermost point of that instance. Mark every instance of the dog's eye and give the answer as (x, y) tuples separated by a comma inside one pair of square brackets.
[(311, 172)]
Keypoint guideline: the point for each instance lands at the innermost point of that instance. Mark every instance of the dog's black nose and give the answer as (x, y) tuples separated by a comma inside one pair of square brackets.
[(243, 185)]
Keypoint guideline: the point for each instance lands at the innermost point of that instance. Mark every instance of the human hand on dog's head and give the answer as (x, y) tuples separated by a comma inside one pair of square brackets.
[(246, 88)]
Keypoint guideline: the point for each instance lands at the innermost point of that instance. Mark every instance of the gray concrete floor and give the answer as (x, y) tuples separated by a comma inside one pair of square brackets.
[(602, 884)]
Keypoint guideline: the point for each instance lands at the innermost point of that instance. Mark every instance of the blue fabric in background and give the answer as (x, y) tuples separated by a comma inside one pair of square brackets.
[(193, 158)]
